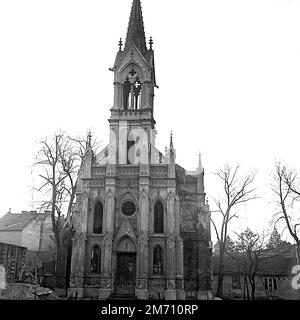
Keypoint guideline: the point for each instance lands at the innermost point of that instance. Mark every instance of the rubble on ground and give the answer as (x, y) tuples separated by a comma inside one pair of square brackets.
[(27, 291)]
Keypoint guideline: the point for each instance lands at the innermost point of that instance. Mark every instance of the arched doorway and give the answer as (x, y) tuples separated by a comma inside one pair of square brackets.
[(126, 267)]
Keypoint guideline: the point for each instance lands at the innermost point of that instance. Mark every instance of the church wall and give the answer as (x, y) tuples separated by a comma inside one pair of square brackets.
[(196, 255)]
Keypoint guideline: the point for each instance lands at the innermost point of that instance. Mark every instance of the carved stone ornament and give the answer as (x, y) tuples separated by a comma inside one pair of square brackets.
[(106, 284), (180, 284), (141, 284), (171, 285)]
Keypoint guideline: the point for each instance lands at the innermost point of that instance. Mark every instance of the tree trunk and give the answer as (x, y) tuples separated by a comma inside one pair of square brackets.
[(298, 252), (252, 283), (220, 275), (248, 296)]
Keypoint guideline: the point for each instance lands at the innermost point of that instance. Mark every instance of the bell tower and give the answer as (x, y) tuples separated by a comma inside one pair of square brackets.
[(142, 225), (132, 116)]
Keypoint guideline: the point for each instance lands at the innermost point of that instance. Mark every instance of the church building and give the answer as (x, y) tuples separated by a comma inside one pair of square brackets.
[(142, 222)]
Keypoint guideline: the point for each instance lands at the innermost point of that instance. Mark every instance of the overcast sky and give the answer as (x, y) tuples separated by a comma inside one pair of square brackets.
[(228, 75)]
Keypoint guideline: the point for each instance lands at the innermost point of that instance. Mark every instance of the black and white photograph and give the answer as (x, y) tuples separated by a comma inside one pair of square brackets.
[(149, 152)]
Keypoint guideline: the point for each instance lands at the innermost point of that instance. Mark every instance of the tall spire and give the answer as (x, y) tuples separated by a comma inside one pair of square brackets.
[(136, 32)]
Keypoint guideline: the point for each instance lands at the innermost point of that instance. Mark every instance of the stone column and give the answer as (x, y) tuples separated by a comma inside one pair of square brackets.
[(147, 92), (142, 291), (78, 252), (116, 95), (171, 259), (107, 273), (180, 293), (122, 139)]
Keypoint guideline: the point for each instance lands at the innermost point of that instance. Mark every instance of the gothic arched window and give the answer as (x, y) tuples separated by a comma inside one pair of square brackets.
[(98, 218), (137, 94), (158, 217), (126, 94), (132, 92), (96, 260), (158, 261)]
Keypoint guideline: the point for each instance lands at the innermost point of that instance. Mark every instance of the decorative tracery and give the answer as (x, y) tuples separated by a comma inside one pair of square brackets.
[(132, 91), (158, 217), (158, 258), (96, 260), (98, 218)]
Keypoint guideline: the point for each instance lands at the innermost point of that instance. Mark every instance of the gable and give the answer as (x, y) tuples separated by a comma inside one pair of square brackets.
[(132, 57)]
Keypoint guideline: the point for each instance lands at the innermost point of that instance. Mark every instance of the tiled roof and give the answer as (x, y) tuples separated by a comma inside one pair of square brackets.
[(16, 221)]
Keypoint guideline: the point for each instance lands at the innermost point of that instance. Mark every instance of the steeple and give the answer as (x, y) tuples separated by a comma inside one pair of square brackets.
[(136, 32), (134, 88)]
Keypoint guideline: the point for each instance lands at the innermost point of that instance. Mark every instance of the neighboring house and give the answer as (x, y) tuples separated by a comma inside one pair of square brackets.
[(31, 230), (273, 279)]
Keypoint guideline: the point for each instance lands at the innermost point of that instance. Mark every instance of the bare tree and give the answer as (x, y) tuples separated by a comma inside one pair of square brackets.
[(53, 181), (59, 160), (236, 190), (286, 187), (252, 245)]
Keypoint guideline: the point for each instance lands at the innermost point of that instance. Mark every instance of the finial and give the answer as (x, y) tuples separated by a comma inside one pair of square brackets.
[(89, 139), (171, 140), (151, 43), (200, 167), (120, 44)]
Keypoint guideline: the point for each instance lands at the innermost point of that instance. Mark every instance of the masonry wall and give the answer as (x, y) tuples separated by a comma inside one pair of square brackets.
[(36, 236), (196, 246)]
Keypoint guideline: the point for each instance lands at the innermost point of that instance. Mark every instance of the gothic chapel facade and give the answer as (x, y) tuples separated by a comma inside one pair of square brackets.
[(142, 223)]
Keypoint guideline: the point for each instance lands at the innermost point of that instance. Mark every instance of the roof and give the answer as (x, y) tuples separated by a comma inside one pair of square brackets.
[(136, 32), (279, 265), (17, 221)]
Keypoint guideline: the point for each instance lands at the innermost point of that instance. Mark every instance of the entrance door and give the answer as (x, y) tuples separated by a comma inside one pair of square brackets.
[(125, 277)]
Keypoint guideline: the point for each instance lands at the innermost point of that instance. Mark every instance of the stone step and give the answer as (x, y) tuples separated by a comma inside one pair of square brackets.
[(122, 296)]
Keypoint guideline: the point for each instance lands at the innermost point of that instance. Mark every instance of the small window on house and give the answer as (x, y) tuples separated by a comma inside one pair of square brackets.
[(236, 282), (266, 285), (158, 261), (98, 218), (96, 260), (270, 284), (158, 217), (275, 284)]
